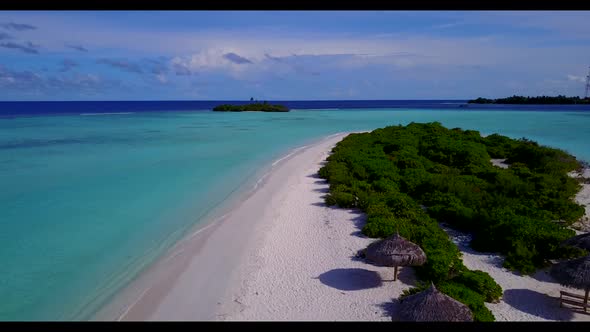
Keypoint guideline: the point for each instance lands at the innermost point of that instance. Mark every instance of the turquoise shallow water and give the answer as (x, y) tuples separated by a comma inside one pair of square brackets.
[(88, 201)]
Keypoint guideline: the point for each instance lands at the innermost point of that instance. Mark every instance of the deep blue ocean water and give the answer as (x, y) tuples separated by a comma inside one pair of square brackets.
[(89, 198), (90, 107)]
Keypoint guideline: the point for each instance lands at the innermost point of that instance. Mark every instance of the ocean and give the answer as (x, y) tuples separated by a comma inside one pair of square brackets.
[(93, 192)]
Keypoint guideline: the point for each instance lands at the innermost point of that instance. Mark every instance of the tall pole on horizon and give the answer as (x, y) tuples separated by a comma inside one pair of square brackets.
[(587, 83)]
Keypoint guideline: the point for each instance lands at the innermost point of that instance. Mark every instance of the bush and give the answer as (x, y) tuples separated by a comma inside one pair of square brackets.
[(521, 258), (403, 206), (470, 298), (379, 229), (341, 199), (379, 209), (481, 283), (385, 186), (443, 259)]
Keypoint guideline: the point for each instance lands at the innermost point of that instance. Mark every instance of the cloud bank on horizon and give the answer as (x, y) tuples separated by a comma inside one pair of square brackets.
[(175, 55)]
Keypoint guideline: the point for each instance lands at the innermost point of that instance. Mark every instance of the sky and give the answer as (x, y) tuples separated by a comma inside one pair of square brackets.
[(291, 55)]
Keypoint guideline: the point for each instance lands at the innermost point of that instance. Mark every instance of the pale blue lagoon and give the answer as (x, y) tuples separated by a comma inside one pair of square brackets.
[(87, 202)]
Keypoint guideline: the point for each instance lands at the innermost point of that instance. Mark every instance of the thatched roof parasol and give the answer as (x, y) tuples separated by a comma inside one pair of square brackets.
[(431, 305), (575, 273), (395, 251), (580, 241)]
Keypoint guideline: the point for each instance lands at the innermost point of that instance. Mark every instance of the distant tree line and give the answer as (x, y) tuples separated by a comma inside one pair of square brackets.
[(253, 107), (411, 178), (542, 100)]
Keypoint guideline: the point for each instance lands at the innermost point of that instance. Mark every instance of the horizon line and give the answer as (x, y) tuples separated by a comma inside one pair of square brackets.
[(211, 100)]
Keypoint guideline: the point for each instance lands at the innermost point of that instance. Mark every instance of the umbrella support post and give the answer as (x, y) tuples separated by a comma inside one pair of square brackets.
[(395, 276)]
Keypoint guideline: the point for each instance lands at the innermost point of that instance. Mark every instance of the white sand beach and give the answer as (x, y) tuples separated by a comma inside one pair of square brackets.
[(282, 255), (583, 198), (304, 267)]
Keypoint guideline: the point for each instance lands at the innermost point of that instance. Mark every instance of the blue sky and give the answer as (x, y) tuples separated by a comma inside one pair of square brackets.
[(291, 55)]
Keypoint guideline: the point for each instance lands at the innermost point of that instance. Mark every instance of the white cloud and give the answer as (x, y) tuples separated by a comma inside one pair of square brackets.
[(576, 78), (162, 78), (209, 59), (448, 25)]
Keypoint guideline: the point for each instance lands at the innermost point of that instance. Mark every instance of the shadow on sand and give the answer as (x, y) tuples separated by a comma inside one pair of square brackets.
[(543, 276), (322, 190), (351, 279), (407, 275), (537, 304), (316, 175), (390, 309)]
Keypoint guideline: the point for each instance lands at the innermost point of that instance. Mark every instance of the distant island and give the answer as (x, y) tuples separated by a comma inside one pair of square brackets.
[(542, 100), (253, 107)]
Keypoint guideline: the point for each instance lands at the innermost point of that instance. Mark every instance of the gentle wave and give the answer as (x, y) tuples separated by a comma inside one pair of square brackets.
[(288, 155)]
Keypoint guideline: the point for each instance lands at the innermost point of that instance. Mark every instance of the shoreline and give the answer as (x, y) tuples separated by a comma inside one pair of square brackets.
[(304, 266), (140, 299), (281, 254)]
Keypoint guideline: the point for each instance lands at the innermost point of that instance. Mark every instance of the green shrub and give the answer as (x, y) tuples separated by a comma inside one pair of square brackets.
[(521, 258), (379, 209), (382, 226), (385, 185), (402, 206), (443, 260), (481, 283), (470, 298), (341, 199)]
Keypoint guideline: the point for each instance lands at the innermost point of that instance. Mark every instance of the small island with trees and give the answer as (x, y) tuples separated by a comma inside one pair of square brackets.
[(252, 107), (542, 100)]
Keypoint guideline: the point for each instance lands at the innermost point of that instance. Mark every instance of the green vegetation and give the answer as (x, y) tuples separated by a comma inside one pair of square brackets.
[(410, 178), (542, 100), (253, 107)]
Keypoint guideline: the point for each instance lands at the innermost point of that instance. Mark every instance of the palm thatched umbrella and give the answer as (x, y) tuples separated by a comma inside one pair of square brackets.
[(395, 251), (580, 241), (575, 273), (431, 305)]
